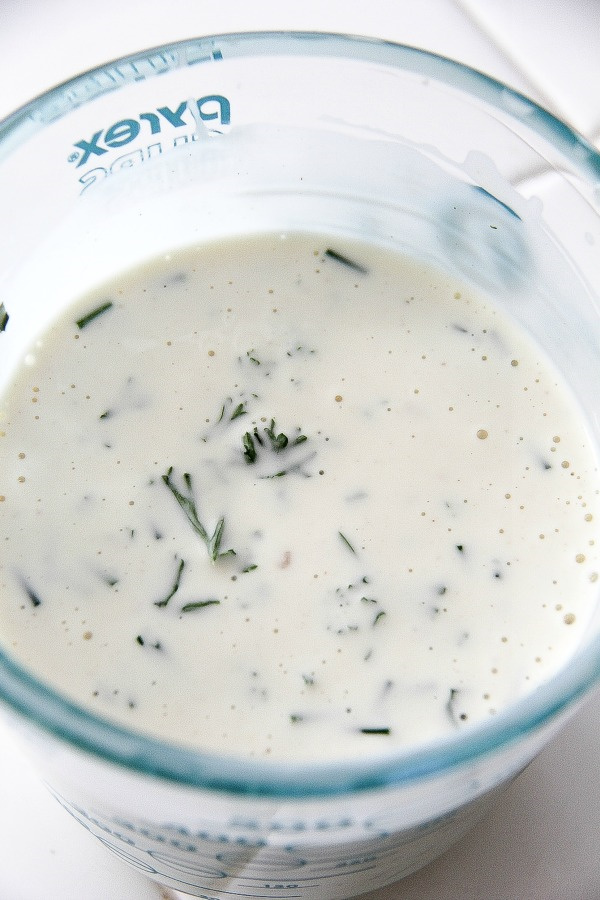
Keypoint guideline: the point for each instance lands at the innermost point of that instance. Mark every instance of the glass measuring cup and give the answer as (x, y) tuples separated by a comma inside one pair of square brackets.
[(121, 165)]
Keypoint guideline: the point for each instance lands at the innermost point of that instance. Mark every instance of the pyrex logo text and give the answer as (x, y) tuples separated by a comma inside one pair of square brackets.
[(206, 109)]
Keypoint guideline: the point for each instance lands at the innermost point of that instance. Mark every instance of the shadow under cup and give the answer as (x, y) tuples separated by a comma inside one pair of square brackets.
[(243, 134)]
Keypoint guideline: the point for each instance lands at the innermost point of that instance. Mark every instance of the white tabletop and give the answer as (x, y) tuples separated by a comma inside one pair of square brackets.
[(542, 840)]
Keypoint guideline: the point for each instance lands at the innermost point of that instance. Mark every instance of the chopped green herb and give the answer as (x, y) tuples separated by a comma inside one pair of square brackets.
[(345, 261), (296, 717), (375, 731), (213, 542), (249, 568), (4, 317), (347, 542), (276, 442), (378, 616), (175, 587), (31, 594), (238, 411), (155, 646), (85, 320), (451, 707), (249, 448), (198, 604)]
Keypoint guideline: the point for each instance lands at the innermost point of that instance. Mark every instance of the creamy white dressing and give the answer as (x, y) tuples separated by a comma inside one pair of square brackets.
[(408, 494)]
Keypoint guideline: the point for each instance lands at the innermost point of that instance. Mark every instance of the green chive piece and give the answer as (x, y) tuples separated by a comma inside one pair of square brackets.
[(198, 604), (347, 542), (85, 320), (375, 731), (345, 261)]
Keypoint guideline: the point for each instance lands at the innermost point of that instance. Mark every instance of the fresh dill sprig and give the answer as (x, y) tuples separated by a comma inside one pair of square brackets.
[(239, 410), (175, 586), (276, 442), (249, 446), (188, 505)]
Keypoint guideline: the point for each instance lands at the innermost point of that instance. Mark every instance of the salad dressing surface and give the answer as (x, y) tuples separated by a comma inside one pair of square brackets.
[(287, 497)]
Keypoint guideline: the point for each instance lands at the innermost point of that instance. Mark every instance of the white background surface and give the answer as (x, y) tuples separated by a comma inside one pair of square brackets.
[(542, 842)]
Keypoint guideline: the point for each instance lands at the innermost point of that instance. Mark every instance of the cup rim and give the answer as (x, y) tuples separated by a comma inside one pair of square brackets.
[(22, 122), (58, 716)]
